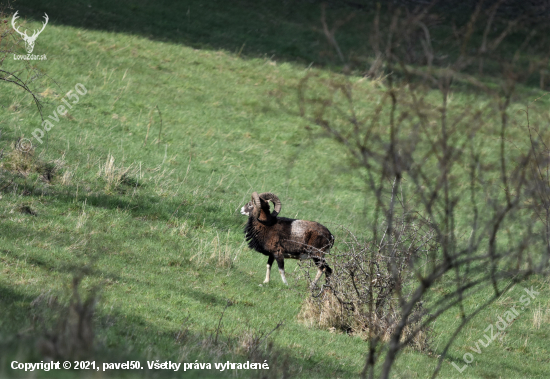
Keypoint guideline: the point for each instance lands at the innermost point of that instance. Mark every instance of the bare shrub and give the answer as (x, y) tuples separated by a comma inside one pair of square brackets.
[(365, 294), (437, 130), (327, 312)]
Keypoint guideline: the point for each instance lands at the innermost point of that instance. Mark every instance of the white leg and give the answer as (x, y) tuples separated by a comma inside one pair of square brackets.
[(282, 272), (267, 274), (319, 273)]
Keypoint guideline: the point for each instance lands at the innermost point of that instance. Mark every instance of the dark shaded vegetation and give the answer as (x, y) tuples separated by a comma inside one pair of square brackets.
[(288, 30)]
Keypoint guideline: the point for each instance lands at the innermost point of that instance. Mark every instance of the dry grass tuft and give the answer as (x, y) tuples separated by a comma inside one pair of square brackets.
[(82, 218), (24, 163), (325, 313), (222, 251), (17, 161), (540, 316), (251, 341), (67, 177), (224, 254), (114, 175)]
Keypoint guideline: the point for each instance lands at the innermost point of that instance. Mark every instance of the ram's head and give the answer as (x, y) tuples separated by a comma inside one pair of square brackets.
[(261, 202)]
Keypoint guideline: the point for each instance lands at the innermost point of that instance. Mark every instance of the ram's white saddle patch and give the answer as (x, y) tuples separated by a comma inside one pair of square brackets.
[(297, 229)]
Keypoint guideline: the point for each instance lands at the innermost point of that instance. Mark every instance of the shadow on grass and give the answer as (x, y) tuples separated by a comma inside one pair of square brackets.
[(277, 29), (283, 29), (123, 337), (145, 206), (20, 333), (59, 266), (15, 308)]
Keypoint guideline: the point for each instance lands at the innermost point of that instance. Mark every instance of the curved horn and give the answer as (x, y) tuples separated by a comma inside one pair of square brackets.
[(257, 205), (275, 200)]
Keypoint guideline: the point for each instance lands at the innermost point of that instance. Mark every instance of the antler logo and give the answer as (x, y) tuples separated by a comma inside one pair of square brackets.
[(29, 40)]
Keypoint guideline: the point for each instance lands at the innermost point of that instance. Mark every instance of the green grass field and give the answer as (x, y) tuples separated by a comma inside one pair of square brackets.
[(189, 108)]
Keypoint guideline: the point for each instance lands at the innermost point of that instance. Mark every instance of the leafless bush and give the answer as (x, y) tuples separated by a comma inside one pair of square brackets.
[(365, 292), (437, 137)]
